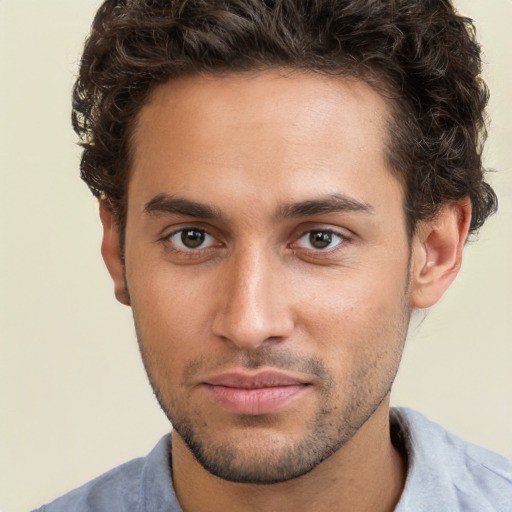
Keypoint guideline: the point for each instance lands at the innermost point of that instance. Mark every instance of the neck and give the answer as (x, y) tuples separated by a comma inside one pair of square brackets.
[(367, 473)]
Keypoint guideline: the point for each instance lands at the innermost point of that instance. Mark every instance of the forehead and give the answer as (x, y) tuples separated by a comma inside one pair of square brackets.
[(294, 133)]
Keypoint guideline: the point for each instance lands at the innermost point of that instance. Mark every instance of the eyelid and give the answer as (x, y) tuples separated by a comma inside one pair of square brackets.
[(320, 253), (166, 238), (169, 230), (344, 234), (309, 227)]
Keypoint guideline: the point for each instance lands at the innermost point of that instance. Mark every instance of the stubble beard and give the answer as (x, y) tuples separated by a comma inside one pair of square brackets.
[(271, 464), (330, 428)]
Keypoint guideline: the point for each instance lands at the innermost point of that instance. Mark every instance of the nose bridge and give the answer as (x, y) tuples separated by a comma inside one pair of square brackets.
[(254, 306)]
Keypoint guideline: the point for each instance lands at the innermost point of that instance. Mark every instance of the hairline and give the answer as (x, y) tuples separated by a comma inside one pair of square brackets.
[(371, 77)]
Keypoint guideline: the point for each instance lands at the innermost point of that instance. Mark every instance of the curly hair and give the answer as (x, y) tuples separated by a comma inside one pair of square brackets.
[(420, 54)]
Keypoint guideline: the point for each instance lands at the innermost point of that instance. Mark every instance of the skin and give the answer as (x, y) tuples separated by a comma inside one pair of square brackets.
[(238, 161)]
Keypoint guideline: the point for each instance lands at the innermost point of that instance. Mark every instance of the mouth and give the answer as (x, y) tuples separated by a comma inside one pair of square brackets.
[(255, 394)]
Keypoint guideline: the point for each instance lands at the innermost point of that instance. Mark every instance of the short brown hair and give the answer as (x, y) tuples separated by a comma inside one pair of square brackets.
[(420, 53)]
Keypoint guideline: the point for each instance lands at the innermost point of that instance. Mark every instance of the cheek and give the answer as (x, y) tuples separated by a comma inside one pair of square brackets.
[(168, 312), (361, 337), (362, 311)]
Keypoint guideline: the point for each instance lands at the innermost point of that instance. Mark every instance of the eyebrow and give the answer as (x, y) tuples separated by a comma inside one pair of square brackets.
[(165, 204), (333, 203)]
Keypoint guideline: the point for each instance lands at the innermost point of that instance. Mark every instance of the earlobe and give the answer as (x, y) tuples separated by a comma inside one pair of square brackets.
[(111, 253), (437, 253)]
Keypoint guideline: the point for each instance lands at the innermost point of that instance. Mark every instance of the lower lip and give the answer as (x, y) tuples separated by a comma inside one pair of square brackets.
[(255, 401)]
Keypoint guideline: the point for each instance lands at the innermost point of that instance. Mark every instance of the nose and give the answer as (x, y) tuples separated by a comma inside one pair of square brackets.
[(254, 305)]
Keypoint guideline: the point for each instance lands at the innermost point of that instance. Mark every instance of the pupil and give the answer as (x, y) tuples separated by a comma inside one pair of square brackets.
[(192, 238), (320, 239)]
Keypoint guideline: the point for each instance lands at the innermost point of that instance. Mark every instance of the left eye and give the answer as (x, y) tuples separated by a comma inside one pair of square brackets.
[(320, 240), (191, 238)]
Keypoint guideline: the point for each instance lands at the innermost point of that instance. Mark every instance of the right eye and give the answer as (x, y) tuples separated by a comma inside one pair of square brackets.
[(190, 239)]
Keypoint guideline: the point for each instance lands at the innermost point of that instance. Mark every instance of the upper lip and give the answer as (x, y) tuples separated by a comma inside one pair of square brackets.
[(262, 379)]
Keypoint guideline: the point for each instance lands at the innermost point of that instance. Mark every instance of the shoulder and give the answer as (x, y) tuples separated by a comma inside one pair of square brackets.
[(115, 490), (448, 473), (125, 488)]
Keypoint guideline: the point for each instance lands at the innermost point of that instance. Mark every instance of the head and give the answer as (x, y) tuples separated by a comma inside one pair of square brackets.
[(421, 55), (281, 183)]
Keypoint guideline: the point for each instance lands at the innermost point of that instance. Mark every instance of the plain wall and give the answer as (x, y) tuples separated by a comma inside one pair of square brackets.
[(74, 400)]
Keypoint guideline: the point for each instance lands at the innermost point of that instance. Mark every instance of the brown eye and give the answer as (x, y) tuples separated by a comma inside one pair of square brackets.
[(320, 239), (191, 238)]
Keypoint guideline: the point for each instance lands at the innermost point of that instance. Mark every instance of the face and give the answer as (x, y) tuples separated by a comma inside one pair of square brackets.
[(267, 266)]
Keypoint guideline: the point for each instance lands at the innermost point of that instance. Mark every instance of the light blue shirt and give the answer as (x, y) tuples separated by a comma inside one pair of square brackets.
[(445, 474)]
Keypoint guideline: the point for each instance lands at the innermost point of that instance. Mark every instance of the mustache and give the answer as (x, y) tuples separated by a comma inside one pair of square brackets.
[(272, 357)]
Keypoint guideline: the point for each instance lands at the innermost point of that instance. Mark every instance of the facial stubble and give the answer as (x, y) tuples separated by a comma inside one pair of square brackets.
[(276, 458)]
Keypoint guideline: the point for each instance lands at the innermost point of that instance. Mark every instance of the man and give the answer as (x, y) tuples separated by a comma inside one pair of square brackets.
[(281, 185)]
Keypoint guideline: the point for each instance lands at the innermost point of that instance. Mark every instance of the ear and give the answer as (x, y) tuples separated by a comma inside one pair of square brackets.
[(111, 254), (437, 253)]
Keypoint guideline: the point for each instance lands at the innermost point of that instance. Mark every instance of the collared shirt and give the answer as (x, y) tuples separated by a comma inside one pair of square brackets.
[(445, 474)]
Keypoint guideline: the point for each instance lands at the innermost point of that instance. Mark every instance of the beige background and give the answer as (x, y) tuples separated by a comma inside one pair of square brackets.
[(73, 395)]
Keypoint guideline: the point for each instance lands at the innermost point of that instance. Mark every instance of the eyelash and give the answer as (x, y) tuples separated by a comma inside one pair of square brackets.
[(324, 251), (189, 252), (201, 251)]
